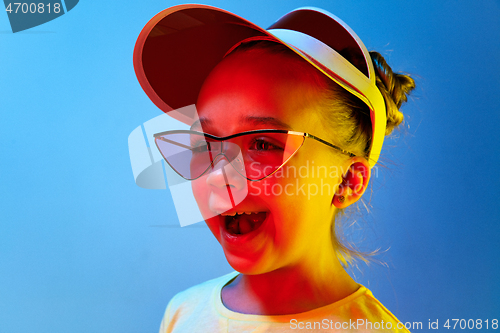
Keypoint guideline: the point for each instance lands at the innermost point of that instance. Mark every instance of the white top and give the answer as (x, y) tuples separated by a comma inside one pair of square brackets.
[(200, 309)]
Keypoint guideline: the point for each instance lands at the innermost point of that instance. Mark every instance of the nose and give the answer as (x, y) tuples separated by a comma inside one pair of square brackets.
[(227, 187), (222, 174)]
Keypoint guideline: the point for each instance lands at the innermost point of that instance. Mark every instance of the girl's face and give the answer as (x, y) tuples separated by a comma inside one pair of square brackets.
[(292, 210)]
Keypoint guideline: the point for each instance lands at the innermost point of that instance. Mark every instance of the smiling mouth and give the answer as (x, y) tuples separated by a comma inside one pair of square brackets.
[(243, 223)]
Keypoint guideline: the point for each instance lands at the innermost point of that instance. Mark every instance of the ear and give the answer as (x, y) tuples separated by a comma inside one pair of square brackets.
[(354, 183)]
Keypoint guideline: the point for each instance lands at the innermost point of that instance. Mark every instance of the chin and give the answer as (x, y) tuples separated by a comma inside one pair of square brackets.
[(248, 266)]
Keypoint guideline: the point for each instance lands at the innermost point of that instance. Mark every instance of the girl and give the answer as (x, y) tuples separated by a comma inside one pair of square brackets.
[(288, 124)]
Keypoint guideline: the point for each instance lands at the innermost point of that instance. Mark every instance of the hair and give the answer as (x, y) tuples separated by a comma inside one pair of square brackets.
[(348, 117)]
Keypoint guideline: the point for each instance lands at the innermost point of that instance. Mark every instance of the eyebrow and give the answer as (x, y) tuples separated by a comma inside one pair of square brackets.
[(268, 121), (254, 120), (201, 123)]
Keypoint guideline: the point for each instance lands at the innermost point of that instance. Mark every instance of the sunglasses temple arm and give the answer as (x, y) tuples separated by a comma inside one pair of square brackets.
[(175, 143), (330, 145)]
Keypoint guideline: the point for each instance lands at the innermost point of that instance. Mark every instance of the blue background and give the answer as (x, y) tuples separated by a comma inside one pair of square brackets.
[(83, 249)]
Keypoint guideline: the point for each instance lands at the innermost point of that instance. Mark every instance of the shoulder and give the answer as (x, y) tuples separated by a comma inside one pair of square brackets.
[(197, 301), (373, 315)]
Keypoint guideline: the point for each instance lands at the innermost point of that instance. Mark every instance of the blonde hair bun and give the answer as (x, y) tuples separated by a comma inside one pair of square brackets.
[(394, 87)]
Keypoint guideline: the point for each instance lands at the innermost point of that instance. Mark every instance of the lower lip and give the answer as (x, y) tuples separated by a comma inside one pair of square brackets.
[(245, 239)]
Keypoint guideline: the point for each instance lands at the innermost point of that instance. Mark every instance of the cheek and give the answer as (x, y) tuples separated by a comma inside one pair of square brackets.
[(282, 190), (201, 195), (299, 197), (201, 192), (278, 194)]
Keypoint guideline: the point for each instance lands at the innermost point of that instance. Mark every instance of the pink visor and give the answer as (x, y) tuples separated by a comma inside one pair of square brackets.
[(180, 46)]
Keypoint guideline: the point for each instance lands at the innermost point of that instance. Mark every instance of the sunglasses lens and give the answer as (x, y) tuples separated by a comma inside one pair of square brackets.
[(189, 154), (265, 153), (254, 155)]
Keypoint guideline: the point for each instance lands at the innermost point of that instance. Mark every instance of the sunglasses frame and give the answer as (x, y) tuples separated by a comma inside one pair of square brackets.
[(225, 138)]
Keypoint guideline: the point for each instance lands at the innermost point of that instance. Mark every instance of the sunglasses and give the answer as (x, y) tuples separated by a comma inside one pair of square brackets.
[(255, 155)]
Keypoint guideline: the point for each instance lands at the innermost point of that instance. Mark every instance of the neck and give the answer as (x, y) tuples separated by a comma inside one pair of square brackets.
[(291, 289)]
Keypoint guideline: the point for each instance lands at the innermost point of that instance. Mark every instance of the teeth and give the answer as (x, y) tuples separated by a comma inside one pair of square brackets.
[(228, 214)]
